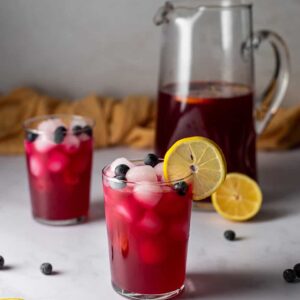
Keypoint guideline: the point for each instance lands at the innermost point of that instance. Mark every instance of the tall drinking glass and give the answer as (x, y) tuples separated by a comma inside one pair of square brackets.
[(206, 82), (148, 230)]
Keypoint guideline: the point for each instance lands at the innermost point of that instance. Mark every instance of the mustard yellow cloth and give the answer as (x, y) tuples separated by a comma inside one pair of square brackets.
[(126, 122), (130, 121)]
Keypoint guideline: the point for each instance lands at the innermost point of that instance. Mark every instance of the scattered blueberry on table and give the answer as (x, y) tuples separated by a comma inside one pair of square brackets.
[(1, 262), (229, 235), (289, 275), (46, 268)]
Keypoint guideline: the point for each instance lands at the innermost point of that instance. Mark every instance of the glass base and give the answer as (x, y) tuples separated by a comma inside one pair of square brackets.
[(61, 222), (131, 295)]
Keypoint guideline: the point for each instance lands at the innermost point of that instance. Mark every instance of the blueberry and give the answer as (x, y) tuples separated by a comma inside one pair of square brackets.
[(151, 160), (118, 184), (77, 130), (229, 235), (181, 188), (88, 130), (1, 262), (59, 134), (46, 268), (31, 136), (297, 270), (289, 275), (121, 170)]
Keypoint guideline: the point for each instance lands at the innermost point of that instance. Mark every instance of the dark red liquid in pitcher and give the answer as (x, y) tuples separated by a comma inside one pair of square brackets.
[(220, 111)]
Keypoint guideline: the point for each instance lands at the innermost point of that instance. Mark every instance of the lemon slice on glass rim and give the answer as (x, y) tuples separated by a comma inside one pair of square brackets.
[(198, 156)]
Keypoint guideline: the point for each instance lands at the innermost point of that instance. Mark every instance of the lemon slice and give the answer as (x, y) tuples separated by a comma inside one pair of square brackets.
[(198, 156), (239, 198)]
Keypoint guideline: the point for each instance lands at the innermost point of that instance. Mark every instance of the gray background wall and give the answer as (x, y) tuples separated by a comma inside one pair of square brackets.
[(69, 48)]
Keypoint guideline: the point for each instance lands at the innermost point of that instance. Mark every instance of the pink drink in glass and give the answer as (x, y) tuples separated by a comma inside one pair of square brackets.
[(59, 171), (148, 231)]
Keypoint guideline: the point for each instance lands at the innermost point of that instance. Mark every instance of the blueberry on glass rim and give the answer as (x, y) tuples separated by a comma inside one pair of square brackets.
[(46, 268), (77, 130), (289, 275), (181, 188), (31, 136), (59, 134), (88, 130), (151, 160), (1, 262), (121, 170)]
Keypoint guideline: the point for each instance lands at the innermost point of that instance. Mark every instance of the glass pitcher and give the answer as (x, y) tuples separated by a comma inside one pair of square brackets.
[(206, 84)]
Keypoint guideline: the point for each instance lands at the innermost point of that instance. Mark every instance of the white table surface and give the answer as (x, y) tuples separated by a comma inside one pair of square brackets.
[(250, 268)]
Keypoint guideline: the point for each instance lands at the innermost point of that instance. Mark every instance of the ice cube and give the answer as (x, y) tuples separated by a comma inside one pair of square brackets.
[(71, 143), (117, 184), (109, 172), (120, 161), (153, 251), (127, 212), (124, 212), (81, 123), (43, 143), (126, 208), (159, 171), (48, 127), (78, 122), (36, 167), (141, 173), (151, 223), (57, 162), (148, 194)]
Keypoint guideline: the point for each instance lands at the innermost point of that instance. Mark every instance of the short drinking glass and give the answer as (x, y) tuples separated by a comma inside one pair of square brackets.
[(59, 157)]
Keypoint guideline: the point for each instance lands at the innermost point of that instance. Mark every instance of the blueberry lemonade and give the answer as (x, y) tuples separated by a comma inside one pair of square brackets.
[(148, 207), (59, 157)]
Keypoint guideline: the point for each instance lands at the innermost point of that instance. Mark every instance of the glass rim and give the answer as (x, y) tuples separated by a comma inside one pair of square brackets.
[(214, 4), (163, 183), (26, 124)]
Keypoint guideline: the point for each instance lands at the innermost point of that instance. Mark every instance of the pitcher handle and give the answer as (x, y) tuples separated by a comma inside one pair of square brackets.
[(274, 94)]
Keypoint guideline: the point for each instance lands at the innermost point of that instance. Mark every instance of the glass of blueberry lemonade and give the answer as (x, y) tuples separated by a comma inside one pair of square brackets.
[(148, 223), (59, 157)]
